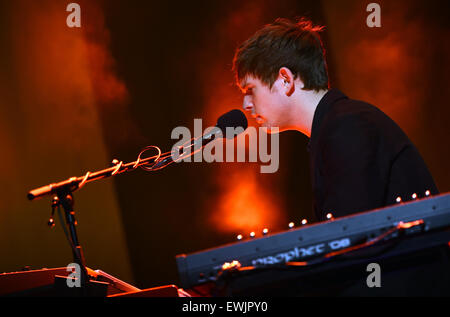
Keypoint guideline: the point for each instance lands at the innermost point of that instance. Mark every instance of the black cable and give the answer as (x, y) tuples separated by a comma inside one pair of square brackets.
[(61, 219), (72, 245)]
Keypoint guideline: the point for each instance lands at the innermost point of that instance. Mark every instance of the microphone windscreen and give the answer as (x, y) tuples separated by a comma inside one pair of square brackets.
[(232, 119)]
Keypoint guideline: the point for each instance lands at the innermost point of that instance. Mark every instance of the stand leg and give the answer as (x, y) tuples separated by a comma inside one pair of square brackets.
[(66, 200)]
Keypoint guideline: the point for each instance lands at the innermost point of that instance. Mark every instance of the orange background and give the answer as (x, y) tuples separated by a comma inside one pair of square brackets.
[(72, 99)]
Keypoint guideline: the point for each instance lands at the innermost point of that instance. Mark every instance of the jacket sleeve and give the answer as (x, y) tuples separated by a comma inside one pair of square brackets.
[(354, 169)]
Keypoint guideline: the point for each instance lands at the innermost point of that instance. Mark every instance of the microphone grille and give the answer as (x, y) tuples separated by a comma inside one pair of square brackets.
[(232, 119)]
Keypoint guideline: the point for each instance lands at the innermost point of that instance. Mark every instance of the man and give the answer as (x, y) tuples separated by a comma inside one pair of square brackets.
[(359, 158)]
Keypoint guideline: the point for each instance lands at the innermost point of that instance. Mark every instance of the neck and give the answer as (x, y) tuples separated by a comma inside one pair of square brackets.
[(305, 107)]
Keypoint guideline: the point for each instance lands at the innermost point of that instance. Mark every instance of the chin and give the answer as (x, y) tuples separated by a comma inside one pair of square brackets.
[(271, 129)]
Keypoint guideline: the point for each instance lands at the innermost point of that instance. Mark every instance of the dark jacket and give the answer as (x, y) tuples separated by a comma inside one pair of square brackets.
[(360, 159)]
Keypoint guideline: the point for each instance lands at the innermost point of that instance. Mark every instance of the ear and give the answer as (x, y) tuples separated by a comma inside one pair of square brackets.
[(287, 80)]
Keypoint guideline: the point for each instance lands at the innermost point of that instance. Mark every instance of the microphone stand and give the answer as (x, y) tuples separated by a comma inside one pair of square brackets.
[(63, 196), (64, 189)]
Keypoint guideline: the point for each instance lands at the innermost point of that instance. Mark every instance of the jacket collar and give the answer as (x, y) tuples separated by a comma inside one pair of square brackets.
[(331, 97)]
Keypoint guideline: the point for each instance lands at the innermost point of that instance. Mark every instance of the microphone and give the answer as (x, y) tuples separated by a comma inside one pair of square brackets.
[(233, 119)]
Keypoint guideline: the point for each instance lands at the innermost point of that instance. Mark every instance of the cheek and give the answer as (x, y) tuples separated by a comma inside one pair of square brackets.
[(256, 102), (262, 101)]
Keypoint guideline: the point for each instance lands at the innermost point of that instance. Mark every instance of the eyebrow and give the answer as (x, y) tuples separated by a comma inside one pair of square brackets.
[(245, 86)]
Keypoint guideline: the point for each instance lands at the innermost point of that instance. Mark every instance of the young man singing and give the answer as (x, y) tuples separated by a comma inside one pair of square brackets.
[(359, 158)]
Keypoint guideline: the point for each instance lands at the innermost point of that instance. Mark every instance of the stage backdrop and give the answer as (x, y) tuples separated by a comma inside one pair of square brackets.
[(73, 99)]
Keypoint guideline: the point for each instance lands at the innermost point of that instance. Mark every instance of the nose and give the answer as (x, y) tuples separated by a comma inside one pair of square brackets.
[(247, 105)]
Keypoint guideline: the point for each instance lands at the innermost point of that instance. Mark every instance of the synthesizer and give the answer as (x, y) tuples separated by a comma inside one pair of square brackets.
[(316, 240)]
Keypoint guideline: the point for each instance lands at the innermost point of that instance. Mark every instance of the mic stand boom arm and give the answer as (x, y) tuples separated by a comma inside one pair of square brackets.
[(75, 183)]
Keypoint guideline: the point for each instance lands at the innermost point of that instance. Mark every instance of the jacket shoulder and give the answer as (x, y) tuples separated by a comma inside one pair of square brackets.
[(359, 120)]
